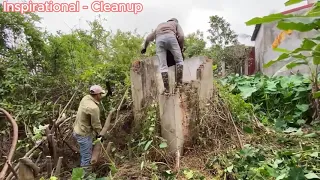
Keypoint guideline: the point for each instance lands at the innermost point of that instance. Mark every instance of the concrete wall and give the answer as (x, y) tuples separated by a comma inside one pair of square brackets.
[(264, 53), (147, 85)]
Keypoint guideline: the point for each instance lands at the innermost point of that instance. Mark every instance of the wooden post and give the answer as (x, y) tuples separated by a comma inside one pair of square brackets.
[(223, 68), (49, 166), (58, 167), (97, 147)]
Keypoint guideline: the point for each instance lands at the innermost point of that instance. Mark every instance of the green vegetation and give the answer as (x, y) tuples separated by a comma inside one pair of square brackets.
[(45, 75), (283, 101)]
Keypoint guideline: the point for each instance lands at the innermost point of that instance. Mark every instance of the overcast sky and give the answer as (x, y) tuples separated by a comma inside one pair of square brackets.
[(192, 15)]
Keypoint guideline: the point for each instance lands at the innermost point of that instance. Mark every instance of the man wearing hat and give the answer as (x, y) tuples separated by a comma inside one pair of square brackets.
[(87, 123), (169, 36)]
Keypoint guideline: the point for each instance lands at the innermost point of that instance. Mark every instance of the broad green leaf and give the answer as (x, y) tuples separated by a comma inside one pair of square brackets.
[(298, 133), (276, 163), (291, 2), (271, 86), (163, 145), (246, 91), (77, 173), (303, 107), (282, 50), (148, 144), (301, 122), (307, 44), (296, 174), (316, 94), (301, 24), (311, 135), (266, 19), (316, 60), (281, 57), (295, 63), (316, 55), (282, 176), (248, 129), (315, 11), (230, 168), (312, 175), (188, 174), (315, 154), (290, 130), (316, 38), (299, 56)]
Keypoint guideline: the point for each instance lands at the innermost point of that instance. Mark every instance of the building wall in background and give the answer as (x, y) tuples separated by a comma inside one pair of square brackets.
[(264, 52)]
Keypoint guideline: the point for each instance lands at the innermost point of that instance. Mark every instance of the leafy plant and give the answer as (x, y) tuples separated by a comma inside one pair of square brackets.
[(283, 100), (309, 51)]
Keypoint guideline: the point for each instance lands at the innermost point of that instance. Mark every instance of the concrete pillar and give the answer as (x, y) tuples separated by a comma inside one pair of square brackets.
[(175, 115), (223, 68)]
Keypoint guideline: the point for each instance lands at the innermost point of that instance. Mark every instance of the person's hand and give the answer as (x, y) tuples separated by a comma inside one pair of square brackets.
[(99, 137), (143, 51)]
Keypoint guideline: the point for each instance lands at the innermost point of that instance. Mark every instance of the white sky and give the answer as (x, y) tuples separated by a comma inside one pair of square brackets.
[(192, 15)]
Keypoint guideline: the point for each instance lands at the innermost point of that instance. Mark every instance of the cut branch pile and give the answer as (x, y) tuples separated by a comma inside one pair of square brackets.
[(212, 128), (50, 146)]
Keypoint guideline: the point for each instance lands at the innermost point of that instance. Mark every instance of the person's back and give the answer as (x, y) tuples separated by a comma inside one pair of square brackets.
[(166, 28), (88, 123), (82, 125), (169, 36)]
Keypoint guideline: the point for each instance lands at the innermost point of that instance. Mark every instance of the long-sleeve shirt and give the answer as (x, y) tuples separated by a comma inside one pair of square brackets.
[(170, 27), (88, 117)]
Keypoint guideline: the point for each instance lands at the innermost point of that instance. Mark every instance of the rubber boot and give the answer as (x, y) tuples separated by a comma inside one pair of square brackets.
[(179, 75), (165, 79)]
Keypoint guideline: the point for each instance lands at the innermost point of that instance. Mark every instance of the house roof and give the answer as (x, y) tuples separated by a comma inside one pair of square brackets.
[(258, 26)]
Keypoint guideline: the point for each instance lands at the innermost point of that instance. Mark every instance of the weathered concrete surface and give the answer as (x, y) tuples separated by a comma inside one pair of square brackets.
[(147, 85), (264, 52)]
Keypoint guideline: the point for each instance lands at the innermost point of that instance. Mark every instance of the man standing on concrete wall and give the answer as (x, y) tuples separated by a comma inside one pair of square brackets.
[(169, 36), (88, 124)]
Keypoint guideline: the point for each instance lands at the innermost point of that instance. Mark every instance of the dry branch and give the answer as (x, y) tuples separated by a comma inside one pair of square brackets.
[(97, 147), (11, 168), (236, 129), (64, 109), (30, 164), (38, 159), (13, 145), (26, 155)]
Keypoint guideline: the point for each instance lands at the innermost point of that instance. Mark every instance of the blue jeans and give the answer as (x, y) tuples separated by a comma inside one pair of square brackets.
[(85, 143)]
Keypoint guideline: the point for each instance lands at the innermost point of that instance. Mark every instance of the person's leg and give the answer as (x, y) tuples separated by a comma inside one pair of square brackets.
[(175, 49), (162, 56), (85, 143)]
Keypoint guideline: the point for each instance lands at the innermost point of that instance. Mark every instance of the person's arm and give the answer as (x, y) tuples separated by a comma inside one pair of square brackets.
[(95, 120), (151, 37), (180, 35)]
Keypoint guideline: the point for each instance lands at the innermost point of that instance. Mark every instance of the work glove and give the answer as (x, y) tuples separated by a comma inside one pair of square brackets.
[(143, 51), (99, 136)]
